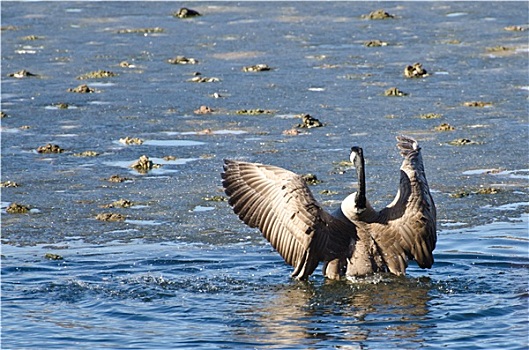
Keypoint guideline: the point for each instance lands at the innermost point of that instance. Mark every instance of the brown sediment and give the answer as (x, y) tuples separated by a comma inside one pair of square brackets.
[(15, 208), (169, 158), (415, 71), (291, 132), (50, 148), (110, 217)]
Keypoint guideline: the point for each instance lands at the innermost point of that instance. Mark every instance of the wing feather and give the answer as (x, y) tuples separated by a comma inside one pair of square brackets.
[(282, 206), (411, 217)]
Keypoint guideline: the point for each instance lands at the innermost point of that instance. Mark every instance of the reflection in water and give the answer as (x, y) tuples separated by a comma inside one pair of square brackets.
[(389, 309)]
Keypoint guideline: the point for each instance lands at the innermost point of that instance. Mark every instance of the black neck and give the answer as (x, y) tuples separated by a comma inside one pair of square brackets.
[(360, 172)]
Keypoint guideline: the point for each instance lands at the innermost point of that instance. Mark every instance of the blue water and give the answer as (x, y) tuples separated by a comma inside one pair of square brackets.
[(182, 271)]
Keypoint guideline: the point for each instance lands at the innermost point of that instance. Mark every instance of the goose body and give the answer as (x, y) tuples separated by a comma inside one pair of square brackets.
[(354, 240)]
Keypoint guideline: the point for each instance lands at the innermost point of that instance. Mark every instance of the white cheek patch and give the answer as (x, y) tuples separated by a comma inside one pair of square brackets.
[(352, 157)]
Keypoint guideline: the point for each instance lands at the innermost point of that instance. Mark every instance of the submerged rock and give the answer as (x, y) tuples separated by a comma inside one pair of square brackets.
[(415, 71), (199, 79), (462, 142), (86, 154), (255, 111), (117, 178), (394, 92), (444, 127), (82, 89), (477, 104), (131, 141), (22, 74), (51, 256), (256, 68), (110, 217), (144, 164), (311, 179), (430, 116), (203, 110), (307, 121), (375, 43), (121, 203), (97, 74), (182, 60), (141, 30), (50, 148), (184, 12), (378, 14), (15, 208), (9, 184)]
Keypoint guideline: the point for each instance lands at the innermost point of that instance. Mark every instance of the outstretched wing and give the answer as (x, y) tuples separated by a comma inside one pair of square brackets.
[(282, 206), (409, 222)]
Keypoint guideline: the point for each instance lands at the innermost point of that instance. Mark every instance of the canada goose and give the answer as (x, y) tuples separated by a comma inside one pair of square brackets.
[(355, 240)]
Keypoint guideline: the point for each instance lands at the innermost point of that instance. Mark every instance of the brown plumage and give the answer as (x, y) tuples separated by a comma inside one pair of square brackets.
[(355, 240)]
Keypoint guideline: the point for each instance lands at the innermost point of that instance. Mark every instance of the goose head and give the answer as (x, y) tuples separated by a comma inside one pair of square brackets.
[(357, 157)]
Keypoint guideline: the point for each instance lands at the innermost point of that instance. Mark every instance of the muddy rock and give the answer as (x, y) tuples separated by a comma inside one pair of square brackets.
[(444, 127), (144, 164), (199, 79), (203, 110), (97, 74), (307, 121), (141, 30), (52, 256), (256, 68), (311, 179), (415, 71), (430, 116), (82, 89), (121, 203), (131, 141), (15, 208), (394, 92), (182, 60), (375, 43), (32, 38), (291, 132), (255, 111), (488, 190), (117, 178), (515, 28), (22, 74), (215, 199), (328, 192), (378, 14), (9, 184), (86, 154), (50, 148), (499, 48), (462, 142), (61, 105), (110, 217), (3, 115), (184, 12), (477, 104)]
